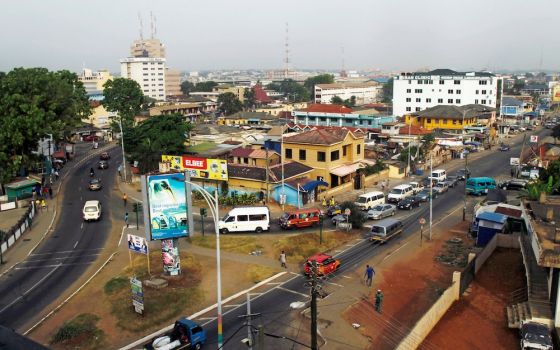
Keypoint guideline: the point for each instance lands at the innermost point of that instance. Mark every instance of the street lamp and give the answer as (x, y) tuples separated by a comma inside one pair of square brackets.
[(409, 125), (122, 145), (213, 204)]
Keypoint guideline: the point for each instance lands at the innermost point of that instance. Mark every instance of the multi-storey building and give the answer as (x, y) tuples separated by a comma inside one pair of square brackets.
[(94, 81), (414, 92), (148, 72), (147, 48), (367, 92), (173, 82), (336, 115)]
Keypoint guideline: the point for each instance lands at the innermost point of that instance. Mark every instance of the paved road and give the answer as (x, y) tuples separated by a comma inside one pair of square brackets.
[(66, 253), (277, 316)]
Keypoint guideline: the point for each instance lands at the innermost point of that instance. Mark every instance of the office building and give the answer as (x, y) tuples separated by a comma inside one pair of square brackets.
[(94, 81), (148, 72), (147, 48), (368, 92)]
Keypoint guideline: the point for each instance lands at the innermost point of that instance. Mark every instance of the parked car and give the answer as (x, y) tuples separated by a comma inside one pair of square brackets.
[(367, 201), (332, 211), (549, 125), (452, 181), (103, 164), (514, 184), (504, 147), (300, 218), (409, 203), (438, 175), (534, 336), (91, 138), (339, 218), (381, 211), (416, 186), (463, 174), (480, 185), (95, 184), (399, 192), (441, 187), (424, 195), (326, 264), (104, 156), (530, 127)]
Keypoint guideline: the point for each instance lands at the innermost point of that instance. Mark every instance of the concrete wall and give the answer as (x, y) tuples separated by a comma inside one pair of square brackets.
[(425, 325), (371, 180), (499, 240)]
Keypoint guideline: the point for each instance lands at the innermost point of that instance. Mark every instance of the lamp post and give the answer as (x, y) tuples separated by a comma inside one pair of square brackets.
[(409, 125), (122, 145), (431, 197), (213, 204), (465, 194)]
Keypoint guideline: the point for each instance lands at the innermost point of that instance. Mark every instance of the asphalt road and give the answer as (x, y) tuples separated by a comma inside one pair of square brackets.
[(65, 253), (274, 306)]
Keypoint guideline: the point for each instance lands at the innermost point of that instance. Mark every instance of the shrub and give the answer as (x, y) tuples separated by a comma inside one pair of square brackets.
[(357, 217), (80, 330), (115, 284)]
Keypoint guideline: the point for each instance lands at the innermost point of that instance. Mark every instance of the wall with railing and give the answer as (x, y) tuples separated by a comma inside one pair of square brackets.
[(16, 231)]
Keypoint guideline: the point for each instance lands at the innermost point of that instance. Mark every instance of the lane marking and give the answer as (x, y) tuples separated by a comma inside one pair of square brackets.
[(75, 244), (274, 283), (207, 318), (62, 258), (82, 226), (49, 266), (292, 291), (66, 251), (395, 251), (122, 234), (229, 305), (346, 276), (336, 284)]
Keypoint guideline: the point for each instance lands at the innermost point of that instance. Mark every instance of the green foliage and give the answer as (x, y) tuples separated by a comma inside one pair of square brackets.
[(357, 217), (81, 332), (349, 102), (116, 284), (376, 168), (387, 91), (186, 87), (318, 79), (534, 189), (229, 103), (164, 134), (125, 97), (249, 98), (35, 102), (556, 132), (241, 199), (337, 100), (294, 91), (403, 157)]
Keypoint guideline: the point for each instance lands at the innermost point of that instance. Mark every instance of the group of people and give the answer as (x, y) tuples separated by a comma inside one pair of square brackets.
[(331, 202), (368, 275)]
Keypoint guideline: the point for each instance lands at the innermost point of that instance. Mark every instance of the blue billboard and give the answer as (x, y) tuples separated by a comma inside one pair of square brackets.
[(167, 206)]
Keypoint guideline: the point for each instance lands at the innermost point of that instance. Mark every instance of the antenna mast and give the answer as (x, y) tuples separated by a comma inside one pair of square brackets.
[(287, 58), (151, 25), (141, 27)]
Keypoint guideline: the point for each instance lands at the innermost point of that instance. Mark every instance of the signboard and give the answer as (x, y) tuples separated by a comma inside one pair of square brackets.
[(137, 295), (422, 221), (534, 138), (167, 206), (199, 168), (514, 161), (170, 257), (137, 244)]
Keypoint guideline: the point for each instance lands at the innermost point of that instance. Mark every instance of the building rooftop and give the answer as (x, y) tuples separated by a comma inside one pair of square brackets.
[(326, 108), (454, 112), (349, 85), (545, 219), (252, 115), (449, 72), (322, 136), (291, 169), (510, 101), (210, 150)]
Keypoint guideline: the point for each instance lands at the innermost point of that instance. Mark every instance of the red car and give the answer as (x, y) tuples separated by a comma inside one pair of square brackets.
[(104, 156), (90, 138), (326, 264)]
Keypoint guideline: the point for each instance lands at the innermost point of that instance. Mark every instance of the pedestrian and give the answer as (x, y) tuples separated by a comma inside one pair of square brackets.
[(332, 201), (34, 193), (283, 260), (45, 191), (324, 202), (383, 185), (378, 300), (125, 198), (56, 175), (50, 192), (44, 204), (368, 275), (511, 171), (126, 219)]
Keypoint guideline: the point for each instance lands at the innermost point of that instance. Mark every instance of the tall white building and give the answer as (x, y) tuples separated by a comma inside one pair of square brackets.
[(148, 72), (367, 92), (414, 92)]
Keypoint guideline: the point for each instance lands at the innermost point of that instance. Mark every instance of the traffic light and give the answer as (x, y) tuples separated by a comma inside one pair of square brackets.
[(137, 207)]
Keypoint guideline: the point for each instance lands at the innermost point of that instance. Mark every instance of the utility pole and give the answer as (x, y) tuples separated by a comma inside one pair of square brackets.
[(465, 194), (248, 317), (522, 149), (314, 305), (431, 197), (267, 172)]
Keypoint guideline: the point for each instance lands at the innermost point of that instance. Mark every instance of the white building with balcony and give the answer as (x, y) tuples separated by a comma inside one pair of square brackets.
[(414, 92), (148, 72)]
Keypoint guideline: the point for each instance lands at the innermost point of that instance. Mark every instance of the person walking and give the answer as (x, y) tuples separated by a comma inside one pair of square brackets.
[(324, 202), (368, 275), (56, 175), (283, 260), (331, 202), (126, 219), (50, 192), (125, 199), (378, 300)]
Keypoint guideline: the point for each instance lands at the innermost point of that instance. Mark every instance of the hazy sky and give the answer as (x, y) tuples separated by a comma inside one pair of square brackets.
[(229, 34)]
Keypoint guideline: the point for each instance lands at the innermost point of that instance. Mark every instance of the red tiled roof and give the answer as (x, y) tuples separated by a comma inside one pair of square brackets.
[(241, 152), (326, 108), (326, 136), (261, 95), (354, 130)]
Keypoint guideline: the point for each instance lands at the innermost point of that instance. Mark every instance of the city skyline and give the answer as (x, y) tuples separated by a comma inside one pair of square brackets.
[(387, 36)]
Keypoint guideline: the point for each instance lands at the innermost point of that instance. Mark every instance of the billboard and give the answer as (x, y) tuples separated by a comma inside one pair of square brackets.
[(167, 206), (170, 257), (199, 168), (137, 244), (137, 295)]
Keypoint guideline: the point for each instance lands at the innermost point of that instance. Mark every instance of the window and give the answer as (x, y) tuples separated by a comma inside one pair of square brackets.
[(289, 153), (489, 92), (246, 160), (408, 91), (429, 120), (408, 99), (440, 100), (445, 121), (359, 149), (321, 156), (417, 109), (408, 109), (454, 122), (429, 82), (489, 102), (409, 82), (484, 92), (482, 102), (302, 154), (242, 218), (257, 217), (418, 91), (450, 100), (441, 82), (450, 91), (475, 102), (458, 92), (456, 82), (335, 155), (482, 82), (457, 101), (476, 92), (428, 100), (311, 119), (323, 119), (418, 100), (420, 81)]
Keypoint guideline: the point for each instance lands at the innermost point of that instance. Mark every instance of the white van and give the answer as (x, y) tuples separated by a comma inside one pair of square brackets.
[(438, 175), (399, 193), (245, 219), (369, 200), (92, 210)]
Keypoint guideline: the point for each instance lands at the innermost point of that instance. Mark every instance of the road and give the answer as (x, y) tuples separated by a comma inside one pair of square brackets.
[(67, 252), (274, 305)]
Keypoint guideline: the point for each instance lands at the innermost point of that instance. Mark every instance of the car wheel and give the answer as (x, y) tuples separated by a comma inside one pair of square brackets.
[(392, 213), (224, 231), (259, 230), (198, 346)]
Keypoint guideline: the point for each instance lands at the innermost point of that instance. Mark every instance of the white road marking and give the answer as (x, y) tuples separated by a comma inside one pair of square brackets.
[(61, 258), (122, 234), (66, 251), (49, 266), (292, 291), (75, 244), (388, 256), (207, 318), (229, 305), (274, 283), (335, 284), (82, 226), (346, 276)]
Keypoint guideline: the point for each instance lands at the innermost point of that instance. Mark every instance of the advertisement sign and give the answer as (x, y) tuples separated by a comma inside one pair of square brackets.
[(170, 257), (534, 138), (514, 161), (199, 168), (137, 244), (167, 206), (137, 295)]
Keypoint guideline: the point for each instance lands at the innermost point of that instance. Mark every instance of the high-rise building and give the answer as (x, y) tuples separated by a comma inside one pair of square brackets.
[(94, 81), (148, 72), (414, 92), (147, 48), (173, 82)]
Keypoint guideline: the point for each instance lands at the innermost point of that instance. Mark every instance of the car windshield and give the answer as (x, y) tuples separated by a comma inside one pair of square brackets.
[(284, 216), (95, 181), (362, 199), (378, 208), (395, 191), (90, 209), (377, 229)]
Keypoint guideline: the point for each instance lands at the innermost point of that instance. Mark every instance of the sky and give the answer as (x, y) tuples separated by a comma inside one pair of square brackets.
[(387, 35)]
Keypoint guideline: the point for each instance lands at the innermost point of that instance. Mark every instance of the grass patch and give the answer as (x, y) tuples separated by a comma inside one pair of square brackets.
[(300, 247), (234, 244), (80, 333), (258, 273), (116, 284)]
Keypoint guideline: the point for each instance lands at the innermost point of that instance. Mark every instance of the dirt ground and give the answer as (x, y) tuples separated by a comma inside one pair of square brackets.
[(478, 319)]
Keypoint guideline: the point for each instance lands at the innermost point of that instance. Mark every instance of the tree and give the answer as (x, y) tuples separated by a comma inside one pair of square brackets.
[(357, 217), (318, 79), (249, 98), (387, 91), (186, 87), (349, 102), (205, 86), (336, 100), (125, 97), (518, 85), (294, 91), (149, 140), (229, 103), (35, 102), (556, 132)]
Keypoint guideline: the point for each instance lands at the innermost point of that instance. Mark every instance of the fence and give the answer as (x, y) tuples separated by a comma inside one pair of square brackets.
[(13, 234)]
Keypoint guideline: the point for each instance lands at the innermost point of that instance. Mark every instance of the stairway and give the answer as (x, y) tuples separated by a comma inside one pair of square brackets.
[(517, 313)]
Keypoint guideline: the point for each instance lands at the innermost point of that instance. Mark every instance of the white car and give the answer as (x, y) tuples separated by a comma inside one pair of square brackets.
[(416, 186), (441, 187), (92, 211)]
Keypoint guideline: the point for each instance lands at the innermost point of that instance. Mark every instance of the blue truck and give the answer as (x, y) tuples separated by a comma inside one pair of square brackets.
[(185, 334)]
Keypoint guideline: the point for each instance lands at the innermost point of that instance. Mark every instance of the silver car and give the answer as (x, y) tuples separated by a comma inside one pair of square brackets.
[(441, 187), (381, 211)]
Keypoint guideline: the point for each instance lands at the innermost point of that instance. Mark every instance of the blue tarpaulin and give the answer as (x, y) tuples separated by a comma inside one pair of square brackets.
[(313, 185)]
